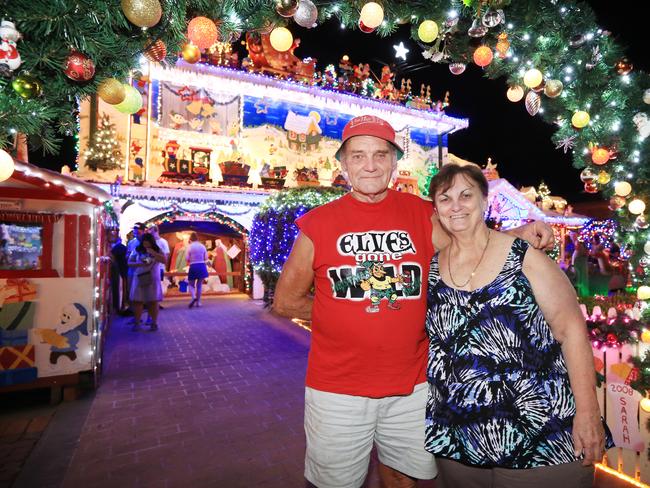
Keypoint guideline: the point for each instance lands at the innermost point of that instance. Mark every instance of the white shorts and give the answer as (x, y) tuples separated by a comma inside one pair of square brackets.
[(341, 429)]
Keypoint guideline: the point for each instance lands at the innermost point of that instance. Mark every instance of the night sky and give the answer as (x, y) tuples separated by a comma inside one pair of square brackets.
[(518, 143)]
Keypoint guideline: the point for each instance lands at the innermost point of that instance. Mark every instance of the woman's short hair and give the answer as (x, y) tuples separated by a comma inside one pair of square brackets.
[(442, 181), (194, 237)]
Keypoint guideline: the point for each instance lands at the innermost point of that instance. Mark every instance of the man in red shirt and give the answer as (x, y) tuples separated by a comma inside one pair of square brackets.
[(367, 254)]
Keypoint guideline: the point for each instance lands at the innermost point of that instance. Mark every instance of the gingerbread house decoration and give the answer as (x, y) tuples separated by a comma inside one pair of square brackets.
[(303, 131)]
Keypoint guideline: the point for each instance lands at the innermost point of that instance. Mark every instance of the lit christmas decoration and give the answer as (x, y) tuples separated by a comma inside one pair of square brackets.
[(202, 32), (600, 156), (515, 93), (643, 292), (622, 188), (104, 150), (483, 56), (6, 165), (636, 207), (533, 78), (428, 31), (400, 50), (372, 15), (567, 143), (580, 119), (281, 39)]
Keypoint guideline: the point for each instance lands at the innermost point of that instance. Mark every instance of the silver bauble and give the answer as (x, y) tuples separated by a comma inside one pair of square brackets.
[(492, 18), (457, 68), (477, 29), (306, 15)]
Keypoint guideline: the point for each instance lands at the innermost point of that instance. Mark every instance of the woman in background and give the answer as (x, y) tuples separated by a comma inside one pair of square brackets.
[(196, 256), (146, 287)]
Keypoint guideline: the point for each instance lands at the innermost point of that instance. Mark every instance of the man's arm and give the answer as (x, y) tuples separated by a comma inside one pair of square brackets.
[(292, 298)]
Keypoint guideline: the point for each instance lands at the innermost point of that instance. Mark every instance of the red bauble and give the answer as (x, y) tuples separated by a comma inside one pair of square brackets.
[(79, 67), (364, 28), (591, 187)]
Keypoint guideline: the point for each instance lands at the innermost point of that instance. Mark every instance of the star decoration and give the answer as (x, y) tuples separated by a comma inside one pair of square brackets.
[(186, 93), (566, 143), (400, 51), (262, 106)]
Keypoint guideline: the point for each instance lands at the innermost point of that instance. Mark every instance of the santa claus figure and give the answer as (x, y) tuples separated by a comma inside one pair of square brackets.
[(9, 56)]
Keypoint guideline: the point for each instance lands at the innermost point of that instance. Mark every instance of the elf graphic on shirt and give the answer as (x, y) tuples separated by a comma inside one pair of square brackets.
[(380, 285)]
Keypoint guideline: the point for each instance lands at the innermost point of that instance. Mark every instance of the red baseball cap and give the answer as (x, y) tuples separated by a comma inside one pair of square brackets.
[(369, 125)]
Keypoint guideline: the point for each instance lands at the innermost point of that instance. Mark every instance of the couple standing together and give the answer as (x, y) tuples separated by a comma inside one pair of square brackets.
[(477, 354)]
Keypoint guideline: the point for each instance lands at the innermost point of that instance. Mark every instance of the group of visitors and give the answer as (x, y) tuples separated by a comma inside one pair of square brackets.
[(474, 351)]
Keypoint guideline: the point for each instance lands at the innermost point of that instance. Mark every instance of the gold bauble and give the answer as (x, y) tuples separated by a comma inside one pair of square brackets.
[(428, 31), (580, 119), (155, 51), (645, 335), (553, 88), (643, 292), (604, 177), (143, 13), (515, 93), (533, 78), (111, 91), (622, 188), (281, 39), (191, 53)]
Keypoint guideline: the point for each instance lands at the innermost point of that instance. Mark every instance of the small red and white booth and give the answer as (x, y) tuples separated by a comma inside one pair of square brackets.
[(53, 280)]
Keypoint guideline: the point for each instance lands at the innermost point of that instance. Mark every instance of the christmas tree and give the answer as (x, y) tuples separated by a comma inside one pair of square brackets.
[(104, 150)]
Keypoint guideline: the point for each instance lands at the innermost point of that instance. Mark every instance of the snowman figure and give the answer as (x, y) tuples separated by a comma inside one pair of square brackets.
[(9, 56)]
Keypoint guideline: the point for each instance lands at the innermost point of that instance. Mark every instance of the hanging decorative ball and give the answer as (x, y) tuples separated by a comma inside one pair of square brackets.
[(580, 119), (622, 188), (539, 88), (281, 39), (591, 187), (588, 175), (604, 177), (111, 91), (190, 53), (600, 156), (636, 206), (286, 8), (503, 45), (611, 338), (428, 31), (533, 102), (623, 67), (646, 96), (492, 18), (143, 13), (553, 88), (645, 337), (477, 29), (132, 101), (532, 78), (645, 403), (643, 292), (616, 202), (155, 51), (78, 67), (365, 29), (577, 40), (641, 223), (306, 15), (202, 32), (372, 15), (7, 165), (457, 68), (483, 56), (27, 86), (515, 93)]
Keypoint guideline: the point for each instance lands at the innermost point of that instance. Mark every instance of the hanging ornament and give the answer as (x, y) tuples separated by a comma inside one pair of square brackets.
[(646, 96), (143, 13), (132, 101), (566, 143), (623, 67), (27, 86), (365, 29), (580, 119), (286, 8), (155, 51), (533, 78), (642, 124), (587, 175), (553, 88), (483, 56), (645, 403), (641, 223), (622, 188), (111, 91), (515, 93), (646, 249), (202, 32), (636, 206), (577, 41), (492, 18), (604, 177), (7, 165), (372, 15), (281, 39), (600, 156), (190, 53), (533, 102), (457, 68), (78, 67), (539, 88), (595, 58), (616, 202), (503, 45), (428, 31), (643, 293), (306, 15), (9, 55), (477, 29), (591, 187)]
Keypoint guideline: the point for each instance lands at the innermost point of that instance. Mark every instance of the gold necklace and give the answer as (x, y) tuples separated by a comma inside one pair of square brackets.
[(475, 267)]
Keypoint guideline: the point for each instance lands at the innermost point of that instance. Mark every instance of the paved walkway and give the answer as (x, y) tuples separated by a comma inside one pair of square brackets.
[(213, 399)]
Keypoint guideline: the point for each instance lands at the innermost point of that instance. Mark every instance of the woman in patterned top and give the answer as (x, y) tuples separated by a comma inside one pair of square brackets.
[(512, 398)]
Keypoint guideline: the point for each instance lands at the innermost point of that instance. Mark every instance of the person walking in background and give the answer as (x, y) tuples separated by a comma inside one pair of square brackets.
[(196, 257), (512, 398), (146, 287)]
